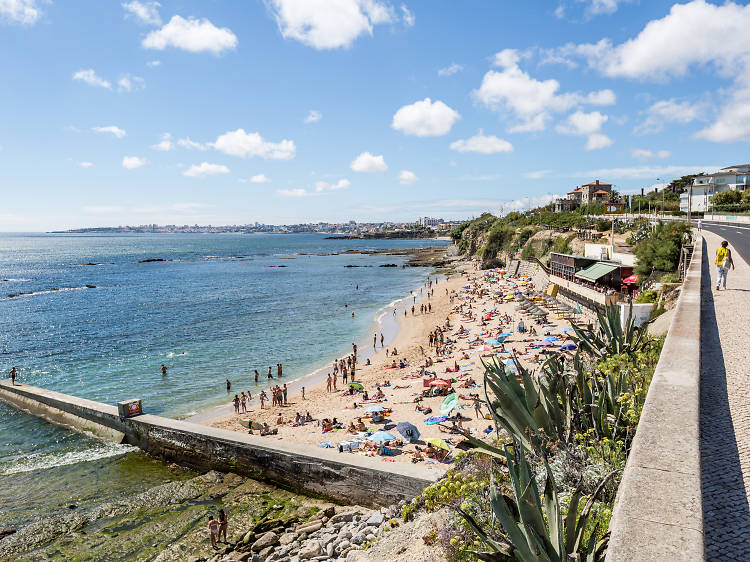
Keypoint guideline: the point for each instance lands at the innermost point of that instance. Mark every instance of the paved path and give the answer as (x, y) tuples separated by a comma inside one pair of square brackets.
[(725, 399)]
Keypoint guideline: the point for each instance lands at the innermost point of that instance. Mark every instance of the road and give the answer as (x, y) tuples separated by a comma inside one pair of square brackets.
[(738, 236)]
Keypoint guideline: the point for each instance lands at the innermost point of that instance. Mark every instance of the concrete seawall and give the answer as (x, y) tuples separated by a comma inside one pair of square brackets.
[(342, 477), (658, 513)]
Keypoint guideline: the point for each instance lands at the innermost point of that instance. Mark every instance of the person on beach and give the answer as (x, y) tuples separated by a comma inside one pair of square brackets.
[(303, 393), (256, 376), (374, 340), (263, 399), (723, 261), (229, 385), (223, 524), (381, 340), (328, 383), (163, 369), (285, 391), (700, 225), (243, 402), (236, 403), (13, 374), (213, 530)]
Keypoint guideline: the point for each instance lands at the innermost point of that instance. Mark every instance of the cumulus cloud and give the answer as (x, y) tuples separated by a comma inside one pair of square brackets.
[(187, 142), (144, 12), (91, 78), (166, 144), (85, 164), (205, 169), (645, 172), (193, 35), (242, 144), (297, 192), (668, 111), (367, 162), (407, 177), (532, 102), (407, 16), (321, 186), (450, 70), (323, 24), (313, 116), (259, 178), (20, 11), (644, 154), (153, 63), (133, 162), (586, 124), (130, 83), (483, 144), (112, 129), (425, 118)]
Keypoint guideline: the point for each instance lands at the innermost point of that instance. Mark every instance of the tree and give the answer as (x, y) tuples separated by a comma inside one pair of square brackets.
[(661, 250), (727, 197)]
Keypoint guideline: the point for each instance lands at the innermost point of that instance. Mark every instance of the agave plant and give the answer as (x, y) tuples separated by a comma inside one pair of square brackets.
[(610, 338), (533, 527)]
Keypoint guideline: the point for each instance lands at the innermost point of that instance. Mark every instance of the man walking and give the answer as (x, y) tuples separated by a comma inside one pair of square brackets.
[(722, 262), (13, 374)]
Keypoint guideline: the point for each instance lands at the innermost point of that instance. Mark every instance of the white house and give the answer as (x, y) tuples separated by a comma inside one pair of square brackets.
[(698, 196)]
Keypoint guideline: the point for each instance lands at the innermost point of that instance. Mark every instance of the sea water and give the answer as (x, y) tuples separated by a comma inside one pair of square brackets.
[(218, 307)]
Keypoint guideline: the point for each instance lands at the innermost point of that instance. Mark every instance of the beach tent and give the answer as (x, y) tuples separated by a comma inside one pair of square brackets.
[(380, 436), (408, 430), (449, 404), (374, 409), (356, 386), (569, 347)]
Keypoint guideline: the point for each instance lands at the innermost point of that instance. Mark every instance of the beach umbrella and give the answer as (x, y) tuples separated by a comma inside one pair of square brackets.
[(631, 279), (432, 420), (569, 347), (380, 436), (356, 386), (408, 430), (548, 329), (567, 330), (439, 382), (374, 409), (550, 338), (449, 404), (439, 443), (505, 335)]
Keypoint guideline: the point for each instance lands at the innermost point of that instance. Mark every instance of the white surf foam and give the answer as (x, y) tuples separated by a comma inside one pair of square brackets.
[(42, 461)]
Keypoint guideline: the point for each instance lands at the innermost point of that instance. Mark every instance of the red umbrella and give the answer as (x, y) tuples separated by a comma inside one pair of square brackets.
[(631, 279)]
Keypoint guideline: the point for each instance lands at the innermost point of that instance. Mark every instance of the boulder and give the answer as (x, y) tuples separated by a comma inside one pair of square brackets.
[(343, 517), (310, 549), (286, 538), (269, 539), (308, 527), (266, 552), (375, 519), (268, 525)]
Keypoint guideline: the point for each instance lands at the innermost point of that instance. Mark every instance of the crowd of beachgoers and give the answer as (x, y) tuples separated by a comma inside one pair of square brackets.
[(413, 400)]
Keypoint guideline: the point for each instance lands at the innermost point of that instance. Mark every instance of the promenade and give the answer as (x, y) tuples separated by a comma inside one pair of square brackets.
[(725, 399)]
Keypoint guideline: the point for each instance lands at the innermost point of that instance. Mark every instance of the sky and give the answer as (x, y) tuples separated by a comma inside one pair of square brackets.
[(286, 111)]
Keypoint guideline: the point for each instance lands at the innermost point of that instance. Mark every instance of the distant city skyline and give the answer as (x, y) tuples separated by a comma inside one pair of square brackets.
[(288, 112)]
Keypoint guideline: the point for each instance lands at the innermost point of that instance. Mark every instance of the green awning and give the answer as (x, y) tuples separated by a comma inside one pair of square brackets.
[(594, 272)]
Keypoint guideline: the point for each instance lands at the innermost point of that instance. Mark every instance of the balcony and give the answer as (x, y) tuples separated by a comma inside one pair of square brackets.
[(595, 297)]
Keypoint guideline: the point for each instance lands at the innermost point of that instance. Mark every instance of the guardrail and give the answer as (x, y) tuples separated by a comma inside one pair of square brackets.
[(658, 512)]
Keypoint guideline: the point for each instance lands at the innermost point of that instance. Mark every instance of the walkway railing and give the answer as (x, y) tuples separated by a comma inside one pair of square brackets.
[(658, 513)]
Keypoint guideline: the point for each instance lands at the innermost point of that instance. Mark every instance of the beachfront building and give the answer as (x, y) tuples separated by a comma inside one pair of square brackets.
[(429, 221), (698, 197), (587, 193)]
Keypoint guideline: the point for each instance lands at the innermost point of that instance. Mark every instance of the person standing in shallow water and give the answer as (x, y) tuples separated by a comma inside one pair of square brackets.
[(229, 385), (163, 369), (278, 370)]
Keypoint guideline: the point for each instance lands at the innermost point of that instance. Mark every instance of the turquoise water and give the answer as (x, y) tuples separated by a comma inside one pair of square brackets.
[(217, 308)]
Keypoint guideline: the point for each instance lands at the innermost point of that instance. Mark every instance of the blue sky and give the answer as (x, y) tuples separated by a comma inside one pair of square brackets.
[(283, 111)]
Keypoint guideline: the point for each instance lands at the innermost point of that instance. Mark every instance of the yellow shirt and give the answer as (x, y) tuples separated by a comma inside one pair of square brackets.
[(721, 255)]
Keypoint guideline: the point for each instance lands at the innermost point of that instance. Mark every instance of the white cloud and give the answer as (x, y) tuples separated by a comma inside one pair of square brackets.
[(483, 144), (113, 129), (367, 162), (321, 186), (313, 116), (240, 143), (537, 174), (259, 178), (644, 154), (205, 169), (20, 11), (85, 164), (733, 122), (644, 172), (597, 141), (600, 7), (531, 101), (187, 142), (91, 78), (133, 162), (328, 24), (580, 123), (668, 111), (298, 192), (525, 203), (407, 177), (129, 83), (425, 118), (450, 70), (166, 144), (145, 12), (408, 16), (153, 63), (193, 35)]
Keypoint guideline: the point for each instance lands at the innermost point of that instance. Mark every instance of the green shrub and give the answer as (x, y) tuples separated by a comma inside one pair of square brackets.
[(661, 248), (726, 197), (647, 297), (603, 225)]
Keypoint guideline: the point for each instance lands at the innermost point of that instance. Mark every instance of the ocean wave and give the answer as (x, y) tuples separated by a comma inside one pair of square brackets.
[(41, 461), (47, 292)]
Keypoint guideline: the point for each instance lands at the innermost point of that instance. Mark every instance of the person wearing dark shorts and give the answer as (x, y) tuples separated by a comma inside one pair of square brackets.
[(13, 374)]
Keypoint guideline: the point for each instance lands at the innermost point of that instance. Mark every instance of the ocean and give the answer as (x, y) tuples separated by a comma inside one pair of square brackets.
[(217, 307)]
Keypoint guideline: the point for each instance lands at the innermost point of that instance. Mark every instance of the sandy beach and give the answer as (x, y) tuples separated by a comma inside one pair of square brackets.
[(471, 300)]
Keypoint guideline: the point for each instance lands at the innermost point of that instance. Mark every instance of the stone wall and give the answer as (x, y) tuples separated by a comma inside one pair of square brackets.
[(343, 477)]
